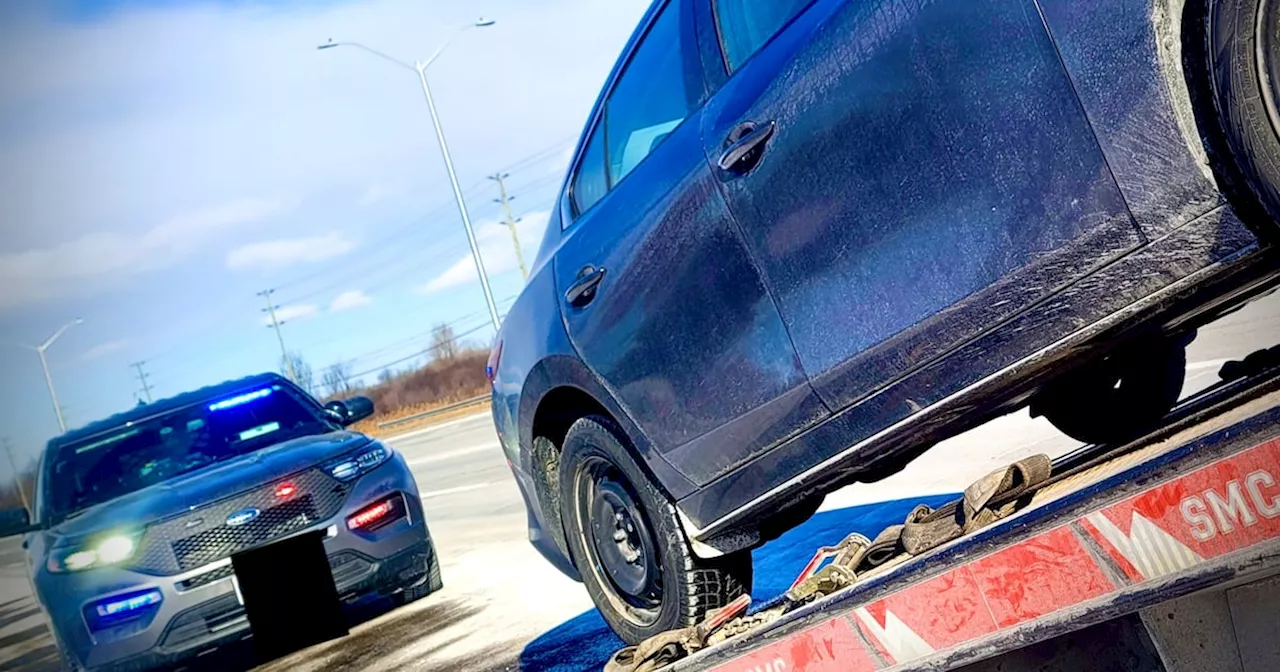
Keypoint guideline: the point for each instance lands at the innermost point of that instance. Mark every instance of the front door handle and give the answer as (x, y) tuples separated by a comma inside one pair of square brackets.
[(745, 147), (583, 289)]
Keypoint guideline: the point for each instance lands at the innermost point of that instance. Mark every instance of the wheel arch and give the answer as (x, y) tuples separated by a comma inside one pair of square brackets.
[(559, 391)]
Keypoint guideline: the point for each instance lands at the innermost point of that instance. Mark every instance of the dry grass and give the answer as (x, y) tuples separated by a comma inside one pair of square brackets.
[(436, 385), (370, 426)]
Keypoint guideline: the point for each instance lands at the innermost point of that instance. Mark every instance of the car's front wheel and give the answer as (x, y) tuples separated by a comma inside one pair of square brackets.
[(627, 543), (1119, 397)]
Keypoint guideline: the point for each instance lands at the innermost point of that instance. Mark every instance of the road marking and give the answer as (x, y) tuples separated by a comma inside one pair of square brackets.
[(454, 491), (437, 457), (432, 428), (1207, 364)]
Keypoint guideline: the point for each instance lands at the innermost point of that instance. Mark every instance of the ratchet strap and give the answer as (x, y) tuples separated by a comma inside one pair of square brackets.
[(668, 647), (985, 501), (834, 568)]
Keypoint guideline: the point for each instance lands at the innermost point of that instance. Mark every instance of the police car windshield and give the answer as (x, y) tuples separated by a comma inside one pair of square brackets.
[(113, 464)]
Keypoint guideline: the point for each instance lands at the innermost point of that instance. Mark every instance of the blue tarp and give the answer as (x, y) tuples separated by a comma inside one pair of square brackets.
[(585, 642)]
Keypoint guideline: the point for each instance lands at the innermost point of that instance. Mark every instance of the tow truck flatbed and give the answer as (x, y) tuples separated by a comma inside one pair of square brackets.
[(1165, 551)]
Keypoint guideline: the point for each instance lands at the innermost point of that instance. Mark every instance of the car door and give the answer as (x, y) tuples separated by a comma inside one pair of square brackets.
[(659, 295), (907, 175)]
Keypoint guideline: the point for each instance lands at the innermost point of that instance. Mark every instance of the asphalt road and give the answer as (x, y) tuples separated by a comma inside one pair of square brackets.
[(503, 607)]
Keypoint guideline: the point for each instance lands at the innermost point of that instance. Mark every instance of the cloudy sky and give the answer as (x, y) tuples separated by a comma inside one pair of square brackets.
[(163, 161)]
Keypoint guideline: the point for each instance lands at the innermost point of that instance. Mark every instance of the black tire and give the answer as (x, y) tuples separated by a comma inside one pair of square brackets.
[(429, 585), (1244, 62), (1118, 398), (636, 564)]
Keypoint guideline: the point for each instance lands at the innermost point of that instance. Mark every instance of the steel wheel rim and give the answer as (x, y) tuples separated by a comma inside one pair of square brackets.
[(624, 553)]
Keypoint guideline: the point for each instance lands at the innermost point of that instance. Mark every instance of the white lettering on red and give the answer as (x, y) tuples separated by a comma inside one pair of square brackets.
[(1197, 516), (1254, 483), (1231, 511)]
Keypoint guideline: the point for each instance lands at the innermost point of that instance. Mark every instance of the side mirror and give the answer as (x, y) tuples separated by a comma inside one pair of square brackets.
[(14, 522), (351, 410)]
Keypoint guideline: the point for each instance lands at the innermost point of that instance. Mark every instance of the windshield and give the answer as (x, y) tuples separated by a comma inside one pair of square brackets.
[(144, 453)]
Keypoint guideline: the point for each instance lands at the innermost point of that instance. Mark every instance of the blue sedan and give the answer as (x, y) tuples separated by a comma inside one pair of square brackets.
[(802, 241)]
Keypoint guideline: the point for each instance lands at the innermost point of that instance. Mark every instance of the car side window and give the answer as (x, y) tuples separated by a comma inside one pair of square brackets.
[(746, 25), (659, 87), (592, 182), (656, 92)]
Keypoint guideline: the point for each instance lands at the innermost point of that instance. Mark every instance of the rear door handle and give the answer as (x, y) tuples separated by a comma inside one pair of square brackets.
[(583, 289), (745, 146)]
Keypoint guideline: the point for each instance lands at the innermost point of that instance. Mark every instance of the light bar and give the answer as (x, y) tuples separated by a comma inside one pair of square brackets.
[(128, 612), (240, 400), (133, 603)]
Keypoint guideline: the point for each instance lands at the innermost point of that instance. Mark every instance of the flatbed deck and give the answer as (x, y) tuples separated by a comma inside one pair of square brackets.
[(1120, 532)]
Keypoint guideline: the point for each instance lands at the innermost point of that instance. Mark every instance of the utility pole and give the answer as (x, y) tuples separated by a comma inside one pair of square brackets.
[(142, 378), (275, 324), (511, 221), (17, 477)]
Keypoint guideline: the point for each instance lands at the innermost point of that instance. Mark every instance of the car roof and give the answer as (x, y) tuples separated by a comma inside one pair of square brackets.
[(162, 406)]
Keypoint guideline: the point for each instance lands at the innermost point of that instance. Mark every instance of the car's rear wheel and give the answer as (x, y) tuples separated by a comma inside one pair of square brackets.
[(627, 543), (1119, 397), (1244, 61)]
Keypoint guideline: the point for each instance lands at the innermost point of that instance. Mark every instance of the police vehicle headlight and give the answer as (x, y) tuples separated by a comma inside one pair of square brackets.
[(99, 552), (356, 465)]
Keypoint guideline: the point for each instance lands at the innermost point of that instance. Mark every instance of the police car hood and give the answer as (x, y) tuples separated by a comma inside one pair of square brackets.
[(205, 486)]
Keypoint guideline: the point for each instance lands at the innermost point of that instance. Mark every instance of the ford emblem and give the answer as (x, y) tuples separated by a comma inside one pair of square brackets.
[(242, 517)]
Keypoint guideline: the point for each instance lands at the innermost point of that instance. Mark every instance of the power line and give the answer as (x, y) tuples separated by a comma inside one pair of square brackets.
[(429, 350), (510, 221), (275, 324), (142, 378), (441, 210)]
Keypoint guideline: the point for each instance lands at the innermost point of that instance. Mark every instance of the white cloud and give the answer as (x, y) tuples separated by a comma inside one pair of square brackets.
[(349, 300), (92, 261), (276, 254), (292, 313), (103, 349), (496, 251)]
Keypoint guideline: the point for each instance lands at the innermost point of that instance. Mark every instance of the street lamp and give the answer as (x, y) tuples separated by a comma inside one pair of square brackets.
[(420, 67), (48, 377)]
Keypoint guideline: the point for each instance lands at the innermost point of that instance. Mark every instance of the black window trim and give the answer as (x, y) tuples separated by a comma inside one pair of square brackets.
[(599, 120)]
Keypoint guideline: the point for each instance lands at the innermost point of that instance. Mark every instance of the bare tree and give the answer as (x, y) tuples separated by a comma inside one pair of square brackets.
[(443, 343), (336, 379), (305, 378), (385, 376)]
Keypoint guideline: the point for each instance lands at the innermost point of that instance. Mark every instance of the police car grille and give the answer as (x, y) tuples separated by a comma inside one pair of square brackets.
[(225, 540), (202, 535)]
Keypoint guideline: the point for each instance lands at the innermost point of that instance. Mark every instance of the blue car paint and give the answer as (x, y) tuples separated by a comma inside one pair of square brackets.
[(955, 201), (1123, 58)]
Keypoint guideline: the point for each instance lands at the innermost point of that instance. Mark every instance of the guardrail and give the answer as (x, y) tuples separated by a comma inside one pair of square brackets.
[(474, 401)]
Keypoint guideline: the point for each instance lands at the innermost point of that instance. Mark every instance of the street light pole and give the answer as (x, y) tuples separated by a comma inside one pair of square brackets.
[(457, 195), (48, 376), (420, 68)]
